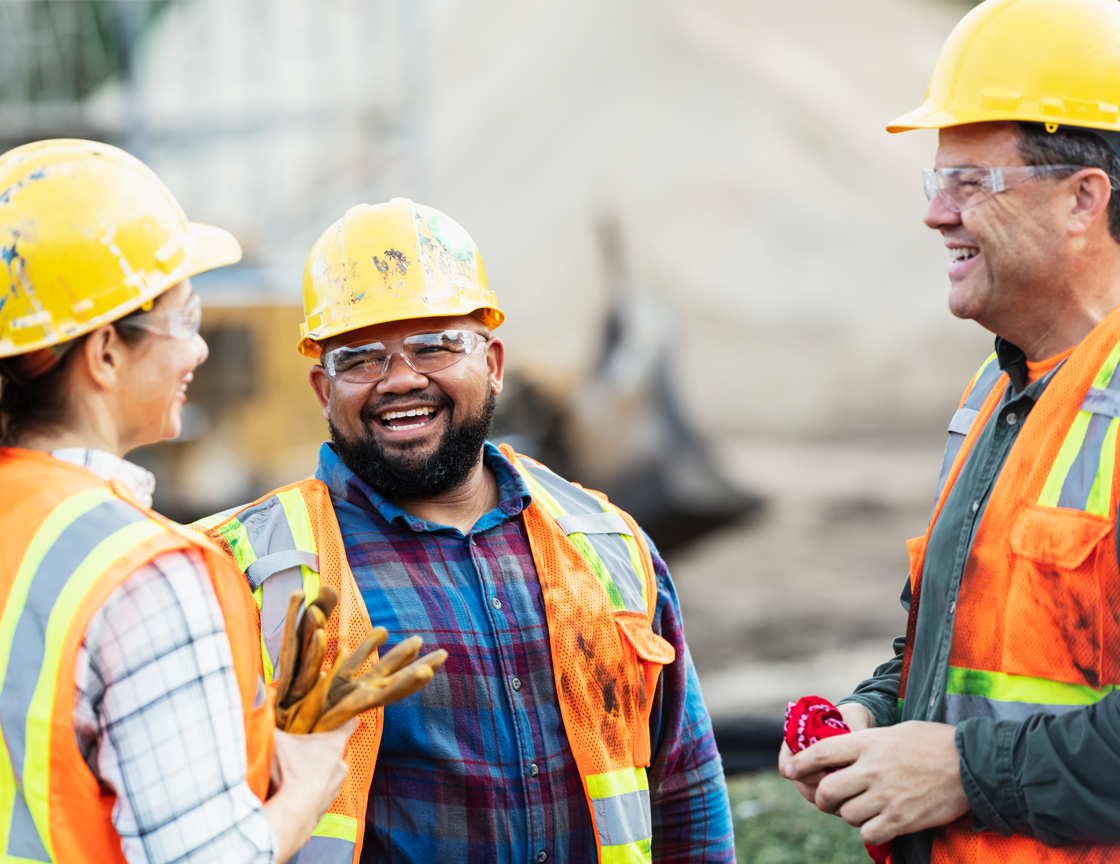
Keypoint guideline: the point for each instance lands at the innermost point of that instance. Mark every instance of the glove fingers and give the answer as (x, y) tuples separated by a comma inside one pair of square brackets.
[(396, 658), (309, 666), (326, 600), (374, 640), (289, 648)]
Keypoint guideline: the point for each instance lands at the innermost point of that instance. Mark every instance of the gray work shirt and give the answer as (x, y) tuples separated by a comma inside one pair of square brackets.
[(1049, 777)]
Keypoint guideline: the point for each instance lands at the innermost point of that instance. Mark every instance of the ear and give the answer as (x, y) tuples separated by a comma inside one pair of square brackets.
[(104, 356), (321, 384), (496, 364), (1091, 194)]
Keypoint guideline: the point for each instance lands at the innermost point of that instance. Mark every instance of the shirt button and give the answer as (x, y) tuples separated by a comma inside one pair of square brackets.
[(1012, 418), (496, 603), (534, 770), (542, 856), (952, 607), (975, 506), (515, 683), (932, 699)]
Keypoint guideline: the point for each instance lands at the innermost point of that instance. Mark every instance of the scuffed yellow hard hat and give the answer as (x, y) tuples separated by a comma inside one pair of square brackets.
[(391, 262), (87, 234), (1048, 61)]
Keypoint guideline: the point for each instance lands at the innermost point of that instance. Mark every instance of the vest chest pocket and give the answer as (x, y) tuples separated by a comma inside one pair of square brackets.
[(648, 652), (1054, 595)]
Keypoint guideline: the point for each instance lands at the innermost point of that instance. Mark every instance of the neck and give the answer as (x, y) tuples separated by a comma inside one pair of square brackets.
[(64, 438), (460, 507), (1072, 304)]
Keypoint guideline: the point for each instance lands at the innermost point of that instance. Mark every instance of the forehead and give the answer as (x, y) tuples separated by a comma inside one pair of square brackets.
[(984, 145), (391, 330)]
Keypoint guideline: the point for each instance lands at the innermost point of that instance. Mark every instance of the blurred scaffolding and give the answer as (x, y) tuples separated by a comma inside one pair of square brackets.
[(711, 256)]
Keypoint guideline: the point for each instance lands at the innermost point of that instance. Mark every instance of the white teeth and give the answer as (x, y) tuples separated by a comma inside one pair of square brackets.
[(963, 253), (412, 412)]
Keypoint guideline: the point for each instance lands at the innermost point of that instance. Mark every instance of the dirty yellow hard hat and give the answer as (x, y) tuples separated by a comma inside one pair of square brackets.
[(391, 262), (87, 234), (1047, 61)]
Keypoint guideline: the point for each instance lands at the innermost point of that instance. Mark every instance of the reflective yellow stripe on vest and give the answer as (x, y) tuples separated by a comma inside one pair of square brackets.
[(73, 547), (602, 536), (1080, 479), (274, 545), (623, 818), (976, 693), (619, 799)]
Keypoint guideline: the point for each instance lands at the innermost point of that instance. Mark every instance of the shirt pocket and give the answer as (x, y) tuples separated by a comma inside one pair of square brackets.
[(1053, 617), (645, 654)]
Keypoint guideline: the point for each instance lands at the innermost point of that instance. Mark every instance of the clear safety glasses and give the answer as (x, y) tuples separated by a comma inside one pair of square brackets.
[(366, 362), (961, 188), (181, 323)]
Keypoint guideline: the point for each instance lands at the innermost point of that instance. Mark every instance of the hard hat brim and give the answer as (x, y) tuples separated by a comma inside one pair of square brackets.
[(212, 248), (491, 316), (932, 117)]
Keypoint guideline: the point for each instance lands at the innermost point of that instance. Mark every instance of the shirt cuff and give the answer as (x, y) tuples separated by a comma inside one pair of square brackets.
[(884, 714), (987, 774)]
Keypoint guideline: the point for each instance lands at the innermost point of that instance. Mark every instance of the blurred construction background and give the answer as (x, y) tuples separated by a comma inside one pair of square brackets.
[(723, 307)]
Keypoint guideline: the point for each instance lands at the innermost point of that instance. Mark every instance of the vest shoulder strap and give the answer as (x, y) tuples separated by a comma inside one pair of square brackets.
[(608, 538)]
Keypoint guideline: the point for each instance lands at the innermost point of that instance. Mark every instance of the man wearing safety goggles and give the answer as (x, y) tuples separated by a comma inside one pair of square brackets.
[(568, 723), (993, 734)]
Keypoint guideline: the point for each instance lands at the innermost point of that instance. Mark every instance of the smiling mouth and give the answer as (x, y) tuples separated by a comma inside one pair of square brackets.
[(962, 253), (413, 418)]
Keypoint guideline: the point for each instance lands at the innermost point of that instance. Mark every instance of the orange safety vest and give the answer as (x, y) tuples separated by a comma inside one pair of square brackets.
[(1034, 628), (70, 539), (599, 591)]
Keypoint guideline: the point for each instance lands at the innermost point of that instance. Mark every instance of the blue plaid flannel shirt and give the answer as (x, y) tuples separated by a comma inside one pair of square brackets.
[(477, 767)]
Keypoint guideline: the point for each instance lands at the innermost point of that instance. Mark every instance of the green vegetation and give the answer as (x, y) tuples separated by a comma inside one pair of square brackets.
[(775, 825)]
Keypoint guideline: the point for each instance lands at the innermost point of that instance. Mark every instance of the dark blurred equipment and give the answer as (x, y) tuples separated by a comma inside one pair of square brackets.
[(747, 743), (623, 431)]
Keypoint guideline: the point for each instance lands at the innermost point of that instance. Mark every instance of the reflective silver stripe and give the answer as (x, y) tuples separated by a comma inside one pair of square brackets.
[(262, 568), (960, 707), (266, 526), (71, 548), (611, 547), (1104, 402), (324, 850), (23, 837), (986, 381), (623, 818), (1082, 472), (962, 420), (594, 523)]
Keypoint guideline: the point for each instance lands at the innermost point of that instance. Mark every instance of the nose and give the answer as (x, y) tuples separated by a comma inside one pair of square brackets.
[(939, 216), (201, 347), (400, 377)]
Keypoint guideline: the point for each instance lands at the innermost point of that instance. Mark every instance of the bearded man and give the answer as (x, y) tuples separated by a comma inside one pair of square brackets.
[(568, 724)]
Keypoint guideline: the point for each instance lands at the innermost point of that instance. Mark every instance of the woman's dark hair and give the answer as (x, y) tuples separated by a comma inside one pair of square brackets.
[(1072, 146), (43, 402)]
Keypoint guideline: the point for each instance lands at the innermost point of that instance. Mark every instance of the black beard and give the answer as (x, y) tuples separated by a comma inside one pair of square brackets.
[(398, 476)]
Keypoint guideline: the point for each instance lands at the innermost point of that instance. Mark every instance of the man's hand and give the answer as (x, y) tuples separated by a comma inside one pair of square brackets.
[(307, 772), (897, 780), (857, 717)]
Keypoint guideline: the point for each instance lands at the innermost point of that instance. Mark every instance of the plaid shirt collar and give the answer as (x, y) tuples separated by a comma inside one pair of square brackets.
[(513, 494), (139, 482)]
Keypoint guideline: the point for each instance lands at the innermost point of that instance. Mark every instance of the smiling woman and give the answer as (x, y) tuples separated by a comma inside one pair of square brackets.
[(99, 339)]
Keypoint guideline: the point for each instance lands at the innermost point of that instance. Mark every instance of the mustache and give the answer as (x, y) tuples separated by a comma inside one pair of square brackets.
[(369, 413)]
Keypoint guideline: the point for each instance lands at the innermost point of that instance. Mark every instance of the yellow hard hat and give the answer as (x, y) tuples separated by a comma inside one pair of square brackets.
[(1049, 61), (87, 234), (391, 262)]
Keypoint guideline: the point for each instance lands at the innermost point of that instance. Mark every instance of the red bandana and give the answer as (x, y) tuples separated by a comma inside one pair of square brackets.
[(811, 720)]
